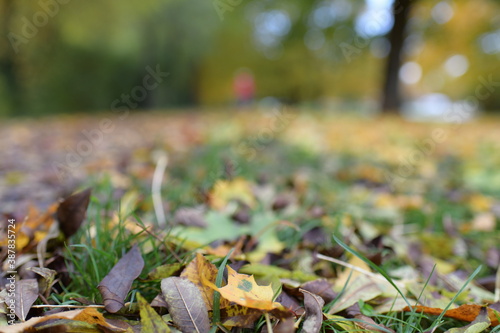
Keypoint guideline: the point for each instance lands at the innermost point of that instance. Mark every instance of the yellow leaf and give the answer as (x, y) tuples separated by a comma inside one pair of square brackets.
[(202, 273), (150, 320), (239, 316), (243, 290), (225, 191), (34, 228), (480, 203)]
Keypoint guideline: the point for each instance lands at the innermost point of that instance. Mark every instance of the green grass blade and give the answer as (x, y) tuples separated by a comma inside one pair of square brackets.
[(373, 266), (473, 275), (218, 283)]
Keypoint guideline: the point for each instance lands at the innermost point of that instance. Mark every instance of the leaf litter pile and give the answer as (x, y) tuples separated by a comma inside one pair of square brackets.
[(264, 221)]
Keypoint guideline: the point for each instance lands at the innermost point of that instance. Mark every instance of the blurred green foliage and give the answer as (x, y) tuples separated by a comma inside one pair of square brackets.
[(65, 56)]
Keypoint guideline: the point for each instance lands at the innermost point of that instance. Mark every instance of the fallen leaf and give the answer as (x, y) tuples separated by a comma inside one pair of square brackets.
[(362, 288), (151, 322), (94, 317), (185, 304), (243, 290), (25, 295), (159, 301), (322, 288), (346, 324), (71, 212), (49, 275), (269, 270), (314, 313), (479, 324), (84, 320), (290, 303), (285, 326), (365, 322), (466, 312), (190, 216), (225, 191), (484, 222), (239, 316), (164, 271), (58, 325), (116, 285), (33, 229), (202, 273)]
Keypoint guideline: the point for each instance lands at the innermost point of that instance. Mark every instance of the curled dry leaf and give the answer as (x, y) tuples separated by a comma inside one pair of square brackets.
[(291, 303), (285, 326), (71, 212), (314, 313), (116, 285), (185, 304), (321, 287), (48, 275)]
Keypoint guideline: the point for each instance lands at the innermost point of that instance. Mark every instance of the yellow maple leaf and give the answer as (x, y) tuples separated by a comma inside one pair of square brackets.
[(225, 191), (203, 273), (243, 290)]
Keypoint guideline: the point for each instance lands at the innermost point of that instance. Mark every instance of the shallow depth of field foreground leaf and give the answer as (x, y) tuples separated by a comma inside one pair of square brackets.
[(116, 285), (26, 294), (198, 271), (85, 320), (466, 312), (243, 290), (314, 315), (479, 324), (186, 305), (150, 320)]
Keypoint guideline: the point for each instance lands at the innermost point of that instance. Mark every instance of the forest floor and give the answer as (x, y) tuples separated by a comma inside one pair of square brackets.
[(328, 222)]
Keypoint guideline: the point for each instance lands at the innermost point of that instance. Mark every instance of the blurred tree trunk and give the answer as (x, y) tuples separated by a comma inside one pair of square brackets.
[(391, 94)]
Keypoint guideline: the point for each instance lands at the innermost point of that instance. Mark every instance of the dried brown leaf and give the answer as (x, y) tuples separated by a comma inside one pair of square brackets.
[(466, 312), (71, 212), (366, 322), (314, 312), (239, 316), (321, 288), (116, 285), (199, 271), (185, 305), (25, 295)]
